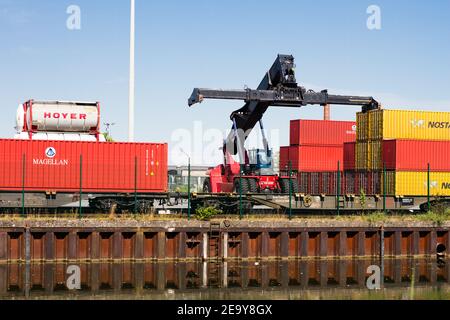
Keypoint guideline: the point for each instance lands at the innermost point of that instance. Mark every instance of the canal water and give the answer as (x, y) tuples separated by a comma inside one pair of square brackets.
[(286, 280)]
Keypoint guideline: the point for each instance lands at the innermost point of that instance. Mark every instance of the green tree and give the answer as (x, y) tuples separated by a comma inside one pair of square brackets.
[(108, 137), (363, 198)]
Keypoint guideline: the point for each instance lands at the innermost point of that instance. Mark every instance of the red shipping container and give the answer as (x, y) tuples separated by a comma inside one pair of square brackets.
[(349, 156), (284, 158), (313, 158), (414, 155), (106, 167), (320, 132)]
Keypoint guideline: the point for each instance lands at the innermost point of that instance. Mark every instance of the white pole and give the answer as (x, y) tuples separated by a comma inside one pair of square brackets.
[(131, 91)]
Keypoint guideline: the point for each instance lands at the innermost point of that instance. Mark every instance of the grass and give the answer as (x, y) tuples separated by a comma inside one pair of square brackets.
[(376, 217), (437, 217)]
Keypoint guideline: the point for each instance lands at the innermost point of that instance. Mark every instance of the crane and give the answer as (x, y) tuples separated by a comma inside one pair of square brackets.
[(279, 88)]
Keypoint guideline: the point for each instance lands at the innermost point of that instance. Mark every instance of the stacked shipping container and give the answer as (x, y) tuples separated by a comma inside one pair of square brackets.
[(322, 133), (415, 155), (405, 142), (317, 145), (311, 158)]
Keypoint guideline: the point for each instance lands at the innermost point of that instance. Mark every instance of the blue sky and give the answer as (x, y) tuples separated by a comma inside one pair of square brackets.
[(224, 44)]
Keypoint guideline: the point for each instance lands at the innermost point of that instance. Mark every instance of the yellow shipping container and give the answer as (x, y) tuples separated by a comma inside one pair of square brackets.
[(362, 127), (368, 155), (361, 155), (374, 119), (408, 124), (415, 183)]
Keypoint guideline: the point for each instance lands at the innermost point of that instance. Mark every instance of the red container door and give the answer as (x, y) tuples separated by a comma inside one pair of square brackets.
[(349, 155), (295, 132), (389, 155), (284, 158)]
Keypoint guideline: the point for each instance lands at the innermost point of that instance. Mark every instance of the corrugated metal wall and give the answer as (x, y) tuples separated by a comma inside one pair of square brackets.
[(106, 167)]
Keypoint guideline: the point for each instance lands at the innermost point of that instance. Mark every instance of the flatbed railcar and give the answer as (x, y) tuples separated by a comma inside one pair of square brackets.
[(40, 174)]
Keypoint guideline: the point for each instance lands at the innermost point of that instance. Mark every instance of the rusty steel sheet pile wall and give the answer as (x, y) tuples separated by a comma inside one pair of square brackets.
[(270, 241)]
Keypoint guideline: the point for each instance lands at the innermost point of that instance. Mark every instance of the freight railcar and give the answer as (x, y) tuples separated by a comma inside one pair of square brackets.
[(59, 159), (41, 174), (57, 173)]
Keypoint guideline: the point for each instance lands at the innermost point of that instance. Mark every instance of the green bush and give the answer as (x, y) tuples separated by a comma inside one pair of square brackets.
[(206, 213), (376, 217), (438, 218), (108, 137), (363, 198)]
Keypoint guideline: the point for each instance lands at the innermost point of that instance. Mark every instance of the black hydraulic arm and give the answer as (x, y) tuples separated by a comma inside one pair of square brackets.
[(278, 88), (281, 97)]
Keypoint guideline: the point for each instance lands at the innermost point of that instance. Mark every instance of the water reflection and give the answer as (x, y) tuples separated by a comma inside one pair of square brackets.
[(307, 279)]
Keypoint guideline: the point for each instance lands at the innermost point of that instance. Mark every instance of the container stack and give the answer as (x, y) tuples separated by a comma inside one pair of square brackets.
[(404, 143), (317, 145)]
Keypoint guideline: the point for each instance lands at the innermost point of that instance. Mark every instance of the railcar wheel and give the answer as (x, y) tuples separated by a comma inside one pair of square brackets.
[(295, 188), (253, 186), (245, 186), (307, 201), (284, 185)]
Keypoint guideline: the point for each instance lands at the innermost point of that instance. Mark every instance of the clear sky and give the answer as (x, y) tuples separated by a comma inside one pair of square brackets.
[(223, 44)]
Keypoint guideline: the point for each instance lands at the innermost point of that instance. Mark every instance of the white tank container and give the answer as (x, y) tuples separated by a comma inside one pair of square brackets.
[(36, 116)]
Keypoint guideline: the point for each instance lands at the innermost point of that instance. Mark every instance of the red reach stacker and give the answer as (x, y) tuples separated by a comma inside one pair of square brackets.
[(254, 171)]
